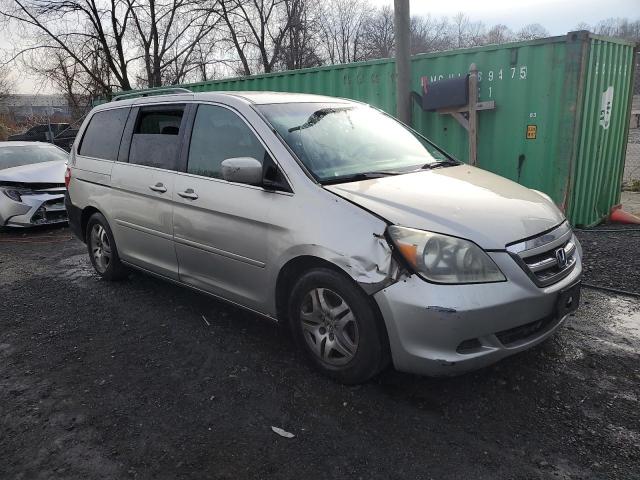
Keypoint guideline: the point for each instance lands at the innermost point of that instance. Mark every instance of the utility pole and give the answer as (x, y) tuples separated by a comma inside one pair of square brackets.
[(402, 20), (473, 114)]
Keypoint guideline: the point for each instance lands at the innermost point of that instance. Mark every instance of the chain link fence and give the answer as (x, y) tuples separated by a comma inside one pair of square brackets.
[(632, 162)]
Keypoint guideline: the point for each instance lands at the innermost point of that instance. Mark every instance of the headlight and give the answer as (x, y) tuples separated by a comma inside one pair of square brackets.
[(444, 259), (13, 193)]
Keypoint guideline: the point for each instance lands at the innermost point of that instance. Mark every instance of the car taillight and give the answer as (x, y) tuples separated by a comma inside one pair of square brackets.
[(67, 177)]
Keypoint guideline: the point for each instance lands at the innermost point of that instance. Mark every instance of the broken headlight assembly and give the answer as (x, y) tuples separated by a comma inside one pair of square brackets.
[(441, 258), (14, 193)]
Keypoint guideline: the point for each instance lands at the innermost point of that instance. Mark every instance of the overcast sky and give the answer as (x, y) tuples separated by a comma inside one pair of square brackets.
[(557, 16)]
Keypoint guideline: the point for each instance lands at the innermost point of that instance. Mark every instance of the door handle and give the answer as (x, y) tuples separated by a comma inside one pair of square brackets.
[(188, 193), (158, 187)]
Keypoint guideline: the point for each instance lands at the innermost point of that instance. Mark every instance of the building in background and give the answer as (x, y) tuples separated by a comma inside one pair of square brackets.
[(23, 107)]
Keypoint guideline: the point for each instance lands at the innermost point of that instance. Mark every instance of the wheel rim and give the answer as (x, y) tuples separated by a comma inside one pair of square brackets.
[(329, 326), (100, 247)]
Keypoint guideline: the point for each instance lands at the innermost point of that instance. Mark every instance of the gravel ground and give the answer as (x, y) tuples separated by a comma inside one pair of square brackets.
[(612, 256), (128, 380)]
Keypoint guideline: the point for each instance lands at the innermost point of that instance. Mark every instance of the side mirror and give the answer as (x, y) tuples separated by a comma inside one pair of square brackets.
[(246, 170)]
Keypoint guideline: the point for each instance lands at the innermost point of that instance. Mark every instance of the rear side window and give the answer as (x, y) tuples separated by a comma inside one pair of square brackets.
[(155, 137), (103, 135), (218, 134)]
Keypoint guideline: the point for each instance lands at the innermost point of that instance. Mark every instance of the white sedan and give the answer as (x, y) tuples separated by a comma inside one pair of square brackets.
[(31, 184)]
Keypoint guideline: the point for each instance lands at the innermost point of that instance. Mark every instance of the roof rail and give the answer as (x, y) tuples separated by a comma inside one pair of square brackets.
[(157, 91)]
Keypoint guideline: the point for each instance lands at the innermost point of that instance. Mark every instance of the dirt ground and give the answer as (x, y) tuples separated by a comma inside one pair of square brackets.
[(631, 203), (142, 379), (612, 256)]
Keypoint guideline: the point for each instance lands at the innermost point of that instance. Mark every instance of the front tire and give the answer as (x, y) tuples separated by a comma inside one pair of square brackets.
[(102, 249), (336, 326)]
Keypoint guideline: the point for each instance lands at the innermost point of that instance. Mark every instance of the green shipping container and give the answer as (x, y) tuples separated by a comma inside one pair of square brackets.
[(561, 119)]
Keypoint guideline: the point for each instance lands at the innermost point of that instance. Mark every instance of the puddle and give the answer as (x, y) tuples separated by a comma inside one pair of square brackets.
[(626, 315), (76, 269)]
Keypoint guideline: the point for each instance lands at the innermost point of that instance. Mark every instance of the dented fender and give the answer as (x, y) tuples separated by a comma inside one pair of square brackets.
[(371, 265), (373, 271)]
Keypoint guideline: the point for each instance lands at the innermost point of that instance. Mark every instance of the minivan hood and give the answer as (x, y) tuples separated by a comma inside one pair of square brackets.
[(44, 172), (462, 201)]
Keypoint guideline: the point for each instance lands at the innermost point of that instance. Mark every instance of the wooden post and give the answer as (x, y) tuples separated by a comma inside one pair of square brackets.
[(473, 115), (467, 115)]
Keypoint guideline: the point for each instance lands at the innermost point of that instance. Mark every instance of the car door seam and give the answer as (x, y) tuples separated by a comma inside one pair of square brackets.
[(224, 253), (142, 229)]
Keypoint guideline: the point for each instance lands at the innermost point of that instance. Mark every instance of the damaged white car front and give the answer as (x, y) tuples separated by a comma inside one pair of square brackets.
[(31, 184)]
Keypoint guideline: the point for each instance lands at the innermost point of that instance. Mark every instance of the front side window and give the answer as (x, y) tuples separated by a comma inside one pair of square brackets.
[(103, 135), (156, 136), (340, 141), (218, 134)]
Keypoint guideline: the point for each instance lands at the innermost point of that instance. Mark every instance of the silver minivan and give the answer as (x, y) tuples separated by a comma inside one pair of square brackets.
[(367, 240)]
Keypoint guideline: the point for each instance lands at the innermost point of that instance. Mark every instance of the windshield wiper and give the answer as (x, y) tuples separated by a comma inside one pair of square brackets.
[(316, 116), (355, 177), (440, 164)]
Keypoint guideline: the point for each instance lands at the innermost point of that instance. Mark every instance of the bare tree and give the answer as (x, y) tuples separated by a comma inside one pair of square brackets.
[(466, 33), (66, 76), (168, 34), (532, 31), (6, 84), (429, 34), (300, 45), (86, 48), (260, 28), (77, 28), (498, 34), (619, 27), (378, 34), (204, 63), (162, 36), (622, 28), (235, 26), (344, 28)]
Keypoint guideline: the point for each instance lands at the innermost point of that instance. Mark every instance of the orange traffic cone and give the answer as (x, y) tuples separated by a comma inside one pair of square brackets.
[(620, 216)]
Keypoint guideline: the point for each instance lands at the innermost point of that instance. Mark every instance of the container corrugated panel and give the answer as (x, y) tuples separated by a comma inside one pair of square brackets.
[(527, 83), (552, 88), (371, 82), (603, 130)]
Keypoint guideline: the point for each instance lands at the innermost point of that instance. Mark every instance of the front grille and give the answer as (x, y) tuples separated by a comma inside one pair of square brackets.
[(50, 188), (547, 258), (51, 211)]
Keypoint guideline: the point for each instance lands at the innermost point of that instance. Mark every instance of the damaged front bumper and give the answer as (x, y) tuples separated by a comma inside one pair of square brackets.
[(34, 209), (450, 329)]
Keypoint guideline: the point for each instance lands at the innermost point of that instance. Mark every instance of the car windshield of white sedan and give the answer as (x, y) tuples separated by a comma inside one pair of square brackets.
[(18, 155), (342, 142)]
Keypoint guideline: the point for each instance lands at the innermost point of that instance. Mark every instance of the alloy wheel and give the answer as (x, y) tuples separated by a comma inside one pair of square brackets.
[(100, 247)]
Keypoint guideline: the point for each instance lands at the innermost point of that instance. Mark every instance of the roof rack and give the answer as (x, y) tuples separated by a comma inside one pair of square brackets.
[(157, 91)]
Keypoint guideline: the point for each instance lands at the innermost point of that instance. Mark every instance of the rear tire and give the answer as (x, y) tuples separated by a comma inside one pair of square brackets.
[(335, 324), (102, 249)]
